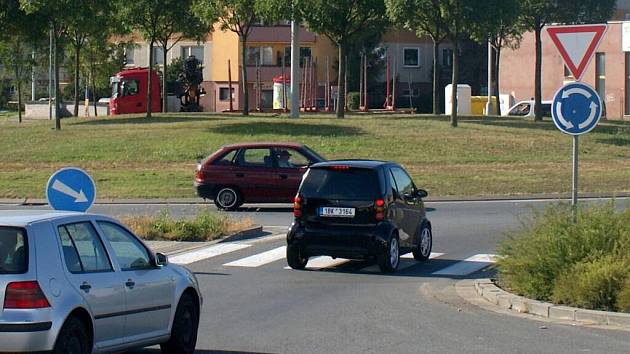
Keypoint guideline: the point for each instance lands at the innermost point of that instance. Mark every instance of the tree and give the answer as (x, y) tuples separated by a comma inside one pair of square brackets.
[(19, 31), (536, 14), (146, 17), (180, 24), (101, 58), (88, 17), (342, 21), (424, 17), (498, 24), (238, 16), (56, 15)]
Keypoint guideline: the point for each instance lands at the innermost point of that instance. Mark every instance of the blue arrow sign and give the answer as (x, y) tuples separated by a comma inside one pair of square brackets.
[(70, 189), (576, 108)]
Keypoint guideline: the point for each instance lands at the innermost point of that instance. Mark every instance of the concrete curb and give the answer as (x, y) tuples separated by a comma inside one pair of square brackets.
[(487, 289), (252, 232)]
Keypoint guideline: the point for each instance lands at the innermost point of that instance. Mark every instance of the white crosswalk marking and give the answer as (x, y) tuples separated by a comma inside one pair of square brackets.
[(207, 252), (468, 265), (260, 259), (322, 262), (433, 255), (406, 261)]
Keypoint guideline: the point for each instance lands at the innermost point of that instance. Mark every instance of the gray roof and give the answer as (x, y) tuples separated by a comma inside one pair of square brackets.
[(21, 218)]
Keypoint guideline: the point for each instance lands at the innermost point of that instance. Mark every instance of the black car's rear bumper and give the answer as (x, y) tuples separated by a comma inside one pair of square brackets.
[(342, 242)]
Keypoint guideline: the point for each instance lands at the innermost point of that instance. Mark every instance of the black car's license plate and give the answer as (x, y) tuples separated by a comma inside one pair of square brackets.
[(336, 212)]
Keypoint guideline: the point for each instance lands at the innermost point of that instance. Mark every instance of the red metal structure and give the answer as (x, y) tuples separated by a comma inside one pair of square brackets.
[(129, 92)]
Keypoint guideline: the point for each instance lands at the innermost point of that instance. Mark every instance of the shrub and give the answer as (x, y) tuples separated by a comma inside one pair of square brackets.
[(353, 101), (204, 226), (550, 244), (592, 284), (623, 298)]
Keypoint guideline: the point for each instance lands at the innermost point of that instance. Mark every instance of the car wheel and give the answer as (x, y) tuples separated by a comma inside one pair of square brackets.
[(295, 258), (185, 326), (422, 252), (73, 338), (227, 198), (389, 260)]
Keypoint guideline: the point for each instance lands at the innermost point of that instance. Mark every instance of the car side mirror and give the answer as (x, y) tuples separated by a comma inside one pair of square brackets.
[(161, 259), (421, 193)]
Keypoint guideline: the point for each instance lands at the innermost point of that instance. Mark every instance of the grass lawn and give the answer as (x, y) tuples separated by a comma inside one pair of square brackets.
[(133, 157)]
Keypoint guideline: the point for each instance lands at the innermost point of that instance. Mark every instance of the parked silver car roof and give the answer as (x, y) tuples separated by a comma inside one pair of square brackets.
[(21, 218)]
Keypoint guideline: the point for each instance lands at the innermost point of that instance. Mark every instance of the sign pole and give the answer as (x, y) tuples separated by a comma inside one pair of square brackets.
[(574, 198)]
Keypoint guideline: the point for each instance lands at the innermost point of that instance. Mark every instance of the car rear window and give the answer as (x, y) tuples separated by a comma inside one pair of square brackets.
[(350, 184), (13, 250)]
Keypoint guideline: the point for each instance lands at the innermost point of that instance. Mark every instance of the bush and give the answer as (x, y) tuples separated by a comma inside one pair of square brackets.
[(550, 245), (592, 284), (353, 101), (623, 298), (205, 226)]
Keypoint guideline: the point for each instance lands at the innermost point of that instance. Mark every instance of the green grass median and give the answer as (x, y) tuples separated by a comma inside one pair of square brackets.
[(135, 157)]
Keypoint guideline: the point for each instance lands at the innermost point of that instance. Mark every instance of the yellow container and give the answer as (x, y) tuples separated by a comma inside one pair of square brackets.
[(478, 104)]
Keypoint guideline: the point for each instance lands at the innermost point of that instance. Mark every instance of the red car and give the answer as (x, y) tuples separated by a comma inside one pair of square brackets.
[(253, 173)]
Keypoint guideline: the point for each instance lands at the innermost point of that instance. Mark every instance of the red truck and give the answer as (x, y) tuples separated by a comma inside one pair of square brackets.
[(129, 92)]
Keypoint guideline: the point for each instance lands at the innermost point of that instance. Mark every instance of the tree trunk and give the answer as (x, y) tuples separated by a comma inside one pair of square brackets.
[(497, 68), (341, 81), (436, 77), (18, 83), (244, 75), (164, 93), (77, 63), (454, 82), (150, 80), (56, 89), (538, 74), (93, 82)]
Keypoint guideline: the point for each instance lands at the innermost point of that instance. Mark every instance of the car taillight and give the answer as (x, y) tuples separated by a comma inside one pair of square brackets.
[(200, 175), (339, 167), (297, 207), (25, 295), (380, 209)]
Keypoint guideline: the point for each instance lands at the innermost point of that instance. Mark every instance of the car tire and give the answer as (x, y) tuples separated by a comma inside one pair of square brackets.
[(295, 258), (228, 198), (422, 251), (73, 338), (185, 327), (388, 261)]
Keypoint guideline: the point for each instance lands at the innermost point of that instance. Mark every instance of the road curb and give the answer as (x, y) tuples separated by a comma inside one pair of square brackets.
[(171, 248), (487, 289), (246, 234)]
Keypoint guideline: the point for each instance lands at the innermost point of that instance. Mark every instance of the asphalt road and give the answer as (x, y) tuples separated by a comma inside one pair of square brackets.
[(352, 308)]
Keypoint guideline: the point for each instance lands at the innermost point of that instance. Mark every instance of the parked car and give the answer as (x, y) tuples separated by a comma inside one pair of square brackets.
[(81, 283), (253, 173), (359, 210), (526, 109)]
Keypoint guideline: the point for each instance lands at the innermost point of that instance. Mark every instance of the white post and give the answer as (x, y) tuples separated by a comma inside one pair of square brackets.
[(33, 86), (489, 108), (50, 75), (295, 69)]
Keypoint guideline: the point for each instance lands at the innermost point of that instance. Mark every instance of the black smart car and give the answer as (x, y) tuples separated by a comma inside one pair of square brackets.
[(358, 209)]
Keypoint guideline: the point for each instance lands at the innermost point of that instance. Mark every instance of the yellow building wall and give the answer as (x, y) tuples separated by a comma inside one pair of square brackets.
[(225, 46)]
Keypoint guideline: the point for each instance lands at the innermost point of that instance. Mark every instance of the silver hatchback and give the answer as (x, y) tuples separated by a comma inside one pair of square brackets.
[(81, 283)]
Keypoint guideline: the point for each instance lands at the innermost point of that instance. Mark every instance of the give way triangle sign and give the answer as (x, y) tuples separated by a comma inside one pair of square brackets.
[(577, 45)]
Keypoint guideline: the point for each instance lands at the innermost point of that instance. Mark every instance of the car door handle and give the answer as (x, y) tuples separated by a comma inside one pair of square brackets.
[(85, 287), (130, 283), (284, 176), (240, 175)]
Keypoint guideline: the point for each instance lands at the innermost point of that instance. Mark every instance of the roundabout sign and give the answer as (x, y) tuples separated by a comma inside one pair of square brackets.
[(577, 108)]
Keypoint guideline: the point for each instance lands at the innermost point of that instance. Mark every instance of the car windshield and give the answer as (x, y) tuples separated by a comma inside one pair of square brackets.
[(350, 184), (13, 259)]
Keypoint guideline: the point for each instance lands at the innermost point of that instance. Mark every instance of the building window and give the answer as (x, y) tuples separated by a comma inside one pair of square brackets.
[(158, 56), (567, 74), (224, 94), (447, 58), (411, 57), (193, 51), (259, 55), (305, 52), (600, 75), (129, 59)]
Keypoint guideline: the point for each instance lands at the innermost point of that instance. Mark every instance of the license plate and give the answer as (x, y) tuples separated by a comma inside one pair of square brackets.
[(336, 212)]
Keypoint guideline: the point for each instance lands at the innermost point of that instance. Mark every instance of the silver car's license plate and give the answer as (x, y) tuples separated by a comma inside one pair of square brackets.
[(336, 212)]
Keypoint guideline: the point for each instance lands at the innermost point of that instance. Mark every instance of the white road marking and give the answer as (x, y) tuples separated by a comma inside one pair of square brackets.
[(260, 259), (468, 265), (207, 252), (433, 255), (322, 262), (406, 261)]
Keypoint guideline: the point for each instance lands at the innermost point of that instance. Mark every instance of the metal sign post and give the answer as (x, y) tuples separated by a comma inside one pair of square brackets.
[(574, 192)]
